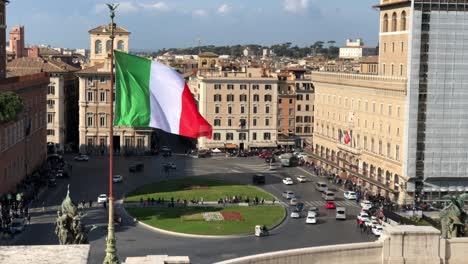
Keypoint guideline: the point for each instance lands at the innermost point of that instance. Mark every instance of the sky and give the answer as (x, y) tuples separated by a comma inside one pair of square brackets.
[(157, 24)]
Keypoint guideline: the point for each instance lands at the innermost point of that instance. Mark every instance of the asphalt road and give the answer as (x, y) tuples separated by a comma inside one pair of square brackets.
[(89, 179)]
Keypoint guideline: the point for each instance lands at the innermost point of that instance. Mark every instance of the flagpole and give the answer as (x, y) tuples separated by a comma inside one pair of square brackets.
[(111, 250)]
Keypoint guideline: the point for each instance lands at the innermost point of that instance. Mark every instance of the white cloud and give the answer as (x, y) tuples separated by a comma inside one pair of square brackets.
[(224, 9), (157, 6), (100, 8), (296, 6), (200, 12), (127, 7)]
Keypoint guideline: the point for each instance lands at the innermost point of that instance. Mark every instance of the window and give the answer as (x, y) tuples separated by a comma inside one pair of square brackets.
[(230, 86), (392, 69), (385, 23), (242, 123), (388, 150), (373, 107), (380, 147), (217, 86), (102, 120), (398, 131), (365, 142), (242, 109), (216, 109), (120, 45), (254, 136), (254, 109), (51, 89), (307, 97), (389, 110), (217, 122), (243, 87), (383, 68), (256, 98), (394, 22), (255, 87), (128, 142), (102, 96), (358, 141), (242, 136), (299, 97), (254, 122), (90, 141), (243, 97), (280, 101), (217, 98), (280, 111), (267, 98), (266, 136), (229, 136), (267, 109), (291, 122), (51, 103), (367, 106), (267, 87), (393, 46), (229, 122), (401, 69), (50, 132), (103, 79), (398, 111), (397, 152), (290, 111), (307, 107), (216, 136), (230, 98), (229, 110), (298, 129), (108, 46), (90, 96), (290, 101), (50, 118), (403, 21), (267, 121), (402, 44), (372, 145), (90, 121), (280, 122), (381, 108), (98, 47), (298, 107)]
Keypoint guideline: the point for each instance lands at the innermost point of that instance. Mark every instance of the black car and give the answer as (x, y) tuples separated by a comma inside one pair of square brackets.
[(258, 179), (136, 168)]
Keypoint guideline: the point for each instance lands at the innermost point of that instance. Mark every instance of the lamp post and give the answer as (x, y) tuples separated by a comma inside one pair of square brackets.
[(111, 250)]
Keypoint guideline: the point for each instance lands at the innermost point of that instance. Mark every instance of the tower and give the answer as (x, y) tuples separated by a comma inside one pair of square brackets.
[(394, 37), (2, 39), (17, 41), (100, 42)]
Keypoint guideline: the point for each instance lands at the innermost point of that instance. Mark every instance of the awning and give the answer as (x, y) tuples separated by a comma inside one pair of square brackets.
[(452, 189), (460, 189), (443, 189), (263, 145), (230, 146)]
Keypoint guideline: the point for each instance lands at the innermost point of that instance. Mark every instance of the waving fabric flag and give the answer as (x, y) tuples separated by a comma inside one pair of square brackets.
[(150, 94), (347, 139)]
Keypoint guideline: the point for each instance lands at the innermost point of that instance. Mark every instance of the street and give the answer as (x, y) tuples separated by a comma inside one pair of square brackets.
[(89, 179)]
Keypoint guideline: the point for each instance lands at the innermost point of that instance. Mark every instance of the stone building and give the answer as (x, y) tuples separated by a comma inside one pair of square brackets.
[(17, 40), (100, 43)]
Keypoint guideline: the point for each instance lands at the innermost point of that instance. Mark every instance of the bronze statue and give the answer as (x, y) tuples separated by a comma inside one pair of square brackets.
[(112, 8), (453, 218), (68, 226)]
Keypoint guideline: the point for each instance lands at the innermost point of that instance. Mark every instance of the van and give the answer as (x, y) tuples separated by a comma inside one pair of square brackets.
[(328, 196), (321, 186), (340, 213)]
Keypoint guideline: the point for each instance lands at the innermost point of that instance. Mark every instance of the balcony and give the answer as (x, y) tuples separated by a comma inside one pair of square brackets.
[(349, 149)]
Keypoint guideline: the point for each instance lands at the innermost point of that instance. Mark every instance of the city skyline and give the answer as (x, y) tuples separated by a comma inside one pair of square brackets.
[(241, 22)]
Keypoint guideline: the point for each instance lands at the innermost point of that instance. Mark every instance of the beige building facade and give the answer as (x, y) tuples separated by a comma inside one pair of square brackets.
[(241, 107), (100, 43)]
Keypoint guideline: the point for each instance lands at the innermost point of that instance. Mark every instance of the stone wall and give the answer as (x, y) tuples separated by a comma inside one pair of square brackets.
[(51, 254)]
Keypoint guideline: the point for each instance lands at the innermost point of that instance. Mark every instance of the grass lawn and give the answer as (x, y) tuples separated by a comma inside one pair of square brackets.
[(210, 190), (187, 219)]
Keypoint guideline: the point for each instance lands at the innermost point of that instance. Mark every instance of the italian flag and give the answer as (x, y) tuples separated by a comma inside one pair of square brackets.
[(150, 94)]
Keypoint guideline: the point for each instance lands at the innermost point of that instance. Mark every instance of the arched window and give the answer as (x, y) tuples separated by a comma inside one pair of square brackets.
[(108, 45), (120, 45), (403, 21), (394, 22), (98, 47), (385, 23)]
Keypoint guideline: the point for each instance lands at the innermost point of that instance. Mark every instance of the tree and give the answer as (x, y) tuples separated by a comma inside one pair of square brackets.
[(331, 43), (10, 106)]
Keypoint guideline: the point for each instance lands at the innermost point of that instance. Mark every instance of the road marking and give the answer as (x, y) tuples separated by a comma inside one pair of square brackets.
[(308, 172), (236, 171)]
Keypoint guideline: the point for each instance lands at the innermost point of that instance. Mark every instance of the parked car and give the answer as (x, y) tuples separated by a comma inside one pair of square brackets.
[(117, 178), (350, 195), (340, 213), (366, 205), (311, 218), (377, 230), (258, 179), (81, 158), (288, 194), (362, 215), (302, 178), (18, 225), (295, 214), (265, 155), (288, 181), (102, 198), (330, 205)]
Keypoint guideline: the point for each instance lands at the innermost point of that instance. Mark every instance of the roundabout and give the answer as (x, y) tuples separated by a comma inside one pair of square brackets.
[(204, 207)]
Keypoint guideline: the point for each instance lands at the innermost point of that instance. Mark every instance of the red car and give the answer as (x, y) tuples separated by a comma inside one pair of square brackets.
[(330, 205), (265, 155)]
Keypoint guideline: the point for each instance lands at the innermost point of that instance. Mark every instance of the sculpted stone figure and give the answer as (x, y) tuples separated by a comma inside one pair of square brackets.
[(453, 218)]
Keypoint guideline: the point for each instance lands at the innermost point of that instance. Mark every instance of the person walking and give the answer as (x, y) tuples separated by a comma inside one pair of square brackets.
[(90, 203), (29, 219)]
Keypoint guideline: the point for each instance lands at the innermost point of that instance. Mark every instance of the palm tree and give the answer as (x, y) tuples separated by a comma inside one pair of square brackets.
[(331, 43)]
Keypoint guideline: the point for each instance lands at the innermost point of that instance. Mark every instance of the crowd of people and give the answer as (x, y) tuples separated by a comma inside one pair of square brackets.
[(172, 202)]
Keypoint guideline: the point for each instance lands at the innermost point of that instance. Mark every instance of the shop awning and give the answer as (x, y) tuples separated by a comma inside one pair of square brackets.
[(263, 145), (230, 146)]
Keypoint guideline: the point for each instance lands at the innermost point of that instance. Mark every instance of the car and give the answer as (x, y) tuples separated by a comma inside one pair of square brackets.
[(362, 215), (366, 205), (340, 213), (242, 154), (311, 218), (81, 158), (273, 166), (301, 155), (321, 186), (117, 178), (288, 194), (102, 198), (300, 206), (170, 165), (328, 196), (59, 173), (18, 225), (377, 230), (350, 195), (295, 214), (293, 202), (288, 181), (367, 222), (374, 223), (313, 210), (265, 155), (302, 178), (258, 179), (330, 205)]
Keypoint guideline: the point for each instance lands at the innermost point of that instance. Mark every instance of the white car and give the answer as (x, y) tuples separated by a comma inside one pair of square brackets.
[(288, 194), (366, 205), (302, 178), (311, 218), (273, 166), (102, 198), (350, 195), (340, 213), (362, 216), (374, 223), (81, 158), (367, 222), (288, 181), (295, 214), (313, 210), (117, 178), (302, 155), (377, 230), (293, 202)]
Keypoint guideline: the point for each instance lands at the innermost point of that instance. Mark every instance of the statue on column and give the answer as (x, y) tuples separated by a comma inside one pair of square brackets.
[(453, 218)]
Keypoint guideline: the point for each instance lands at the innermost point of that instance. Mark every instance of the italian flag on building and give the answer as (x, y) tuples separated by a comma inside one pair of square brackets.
[(150, 94)]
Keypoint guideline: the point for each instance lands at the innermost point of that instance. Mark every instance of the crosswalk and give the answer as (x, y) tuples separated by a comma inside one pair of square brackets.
[(322, 203), (260, 168)]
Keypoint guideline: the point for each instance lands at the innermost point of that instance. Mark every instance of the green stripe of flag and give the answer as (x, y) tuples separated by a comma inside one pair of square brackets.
[(132, 103)]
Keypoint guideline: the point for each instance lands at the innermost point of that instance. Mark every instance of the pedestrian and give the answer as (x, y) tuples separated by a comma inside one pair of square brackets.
[(104, 205), (43, 207), (90, 203), (29, 219)]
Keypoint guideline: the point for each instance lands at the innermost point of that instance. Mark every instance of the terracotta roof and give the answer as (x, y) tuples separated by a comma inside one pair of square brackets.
[(94, 69), (28, 65), (208, 54), (107, 28), (48, 51)]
